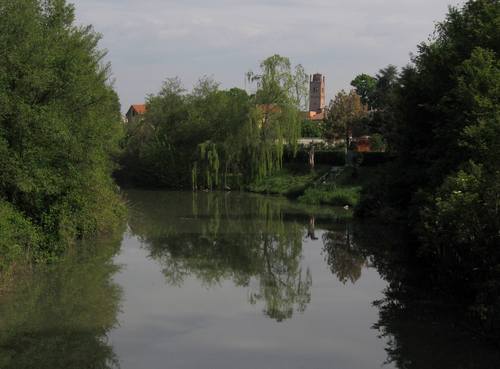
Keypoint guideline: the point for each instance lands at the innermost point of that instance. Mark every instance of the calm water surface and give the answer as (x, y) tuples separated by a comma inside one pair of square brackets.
[(225, 281)]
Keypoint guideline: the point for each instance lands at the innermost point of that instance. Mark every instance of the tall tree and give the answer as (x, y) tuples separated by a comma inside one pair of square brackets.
[(386, 81), (277, 122), (60, 121), (445, 181), (345, 112), (365, 86)]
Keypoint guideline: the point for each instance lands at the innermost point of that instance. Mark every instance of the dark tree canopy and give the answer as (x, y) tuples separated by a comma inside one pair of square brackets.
[(365, 86), (445, 129)]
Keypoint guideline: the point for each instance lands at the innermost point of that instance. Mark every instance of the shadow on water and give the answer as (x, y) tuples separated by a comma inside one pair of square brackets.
[(421, 329), (58, 316)]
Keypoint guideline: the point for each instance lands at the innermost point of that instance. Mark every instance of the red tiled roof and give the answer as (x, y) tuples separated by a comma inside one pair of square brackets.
[(139, 108)]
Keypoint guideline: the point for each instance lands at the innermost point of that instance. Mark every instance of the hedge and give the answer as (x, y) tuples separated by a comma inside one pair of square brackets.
[(337, 158)]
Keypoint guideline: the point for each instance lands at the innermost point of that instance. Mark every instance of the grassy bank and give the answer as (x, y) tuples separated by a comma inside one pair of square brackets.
[(291, 181), (341, 187), (337, 186)]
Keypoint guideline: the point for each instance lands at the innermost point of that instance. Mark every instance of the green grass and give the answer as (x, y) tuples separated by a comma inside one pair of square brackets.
[(344, 189), (331, 195), (287, 182)]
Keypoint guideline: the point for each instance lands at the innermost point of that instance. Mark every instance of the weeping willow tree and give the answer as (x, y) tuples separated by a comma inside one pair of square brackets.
[(210, 166), (275, 122), (255, 129), (221, 118)]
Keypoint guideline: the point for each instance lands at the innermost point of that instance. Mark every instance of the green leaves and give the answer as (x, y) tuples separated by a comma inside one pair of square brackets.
[(346, 110), (212, 138), (59, 121), (365, 86)]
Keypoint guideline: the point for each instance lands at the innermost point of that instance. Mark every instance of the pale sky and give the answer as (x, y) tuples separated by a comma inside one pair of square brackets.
[(150, 40)]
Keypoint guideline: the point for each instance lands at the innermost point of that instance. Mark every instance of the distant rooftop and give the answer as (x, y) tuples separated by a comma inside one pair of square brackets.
[(139, 108)]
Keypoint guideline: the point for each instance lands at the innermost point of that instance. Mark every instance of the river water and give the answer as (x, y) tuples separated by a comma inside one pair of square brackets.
[(226, 280)]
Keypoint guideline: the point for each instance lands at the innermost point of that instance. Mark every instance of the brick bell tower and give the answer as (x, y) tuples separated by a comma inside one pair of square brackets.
[(317, 96)]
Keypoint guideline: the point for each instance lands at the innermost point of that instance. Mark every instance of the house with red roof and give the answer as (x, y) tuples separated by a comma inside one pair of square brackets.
[(135, 111)]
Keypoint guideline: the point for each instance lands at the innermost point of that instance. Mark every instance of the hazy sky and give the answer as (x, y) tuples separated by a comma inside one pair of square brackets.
[(150, 40)]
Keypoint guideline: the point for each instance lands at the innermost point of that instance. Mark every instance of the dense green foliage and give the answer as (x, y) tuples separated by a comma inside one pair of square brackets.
[(444, 125), (211, 138), (378, 94), (188, 137), (59, 127), (346, 111), (18, 235), (312, 129)]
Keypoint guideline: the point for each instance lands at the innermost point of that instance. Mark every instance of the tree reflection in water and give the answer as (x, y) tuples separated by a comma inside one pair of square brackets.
[(221, 237), (57, 316), (421, 331), (345, 258), (257, 243)]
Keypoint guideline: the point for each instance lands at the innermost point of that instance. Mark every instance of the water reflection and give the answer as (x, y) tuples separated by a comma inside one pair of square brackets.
[(344, 256), (219, 237), (57, 317), (61, 316), (421, 330)]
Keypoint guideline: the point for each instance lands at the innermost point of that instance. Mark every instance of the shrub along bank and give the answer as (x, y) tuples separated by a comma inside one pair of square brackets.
[(335, 157)]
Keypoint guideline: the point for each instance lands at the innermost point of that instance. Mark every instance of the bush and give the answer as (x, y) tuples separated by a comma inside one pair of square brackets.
[(335, 158), (466, 208), (18, 236), (372, 159), (378, 142)]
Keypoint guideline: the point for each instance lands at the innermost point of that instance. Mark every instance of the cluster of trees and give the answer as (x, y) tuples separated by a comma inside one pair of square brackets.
[(443, 123), (59, 128), (213, 138), (362, 111), (365, 110)]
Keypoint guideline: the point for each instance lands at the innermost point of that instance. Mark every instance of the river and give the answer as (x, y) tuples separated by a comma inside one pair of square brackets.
[(227, 280)]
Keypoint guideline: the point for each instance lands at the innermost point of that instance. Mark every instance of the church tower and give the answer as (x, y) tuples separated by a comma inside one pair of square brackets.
[(317, 96)]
